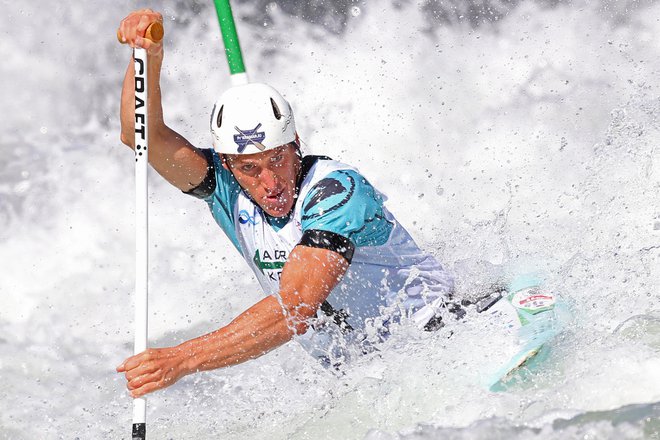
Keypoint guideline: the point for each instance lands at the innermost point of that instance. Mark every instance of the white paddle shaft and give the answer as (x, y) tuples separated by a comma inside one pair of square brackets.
[(141, 220)]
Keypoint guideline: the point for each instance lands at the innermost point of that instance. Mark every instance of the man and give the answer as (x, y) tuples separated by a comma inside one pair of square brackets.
[(335, 265)]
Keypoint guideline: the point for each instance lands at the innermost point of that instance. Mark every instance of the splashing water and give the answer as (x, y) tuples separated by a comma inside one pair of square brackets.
[(514, 135)]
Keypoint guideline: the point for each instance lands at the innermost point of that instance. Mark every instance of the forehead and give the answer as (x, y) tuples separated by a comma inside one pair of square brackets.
[(257, 157)]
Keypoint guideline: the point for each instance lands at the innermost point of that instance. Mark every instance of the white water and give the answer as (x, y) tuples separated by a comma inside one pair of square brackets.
[(527, 142)]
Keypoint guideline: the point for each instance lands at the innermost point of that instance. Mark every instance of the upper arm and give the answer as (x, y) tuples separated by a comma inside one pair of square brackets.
[(176, 159), (308, 277)]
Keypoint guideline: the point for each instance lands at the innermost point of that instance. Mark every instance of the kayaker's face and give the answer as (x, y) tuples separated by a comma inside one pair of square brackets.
[(269, 177)]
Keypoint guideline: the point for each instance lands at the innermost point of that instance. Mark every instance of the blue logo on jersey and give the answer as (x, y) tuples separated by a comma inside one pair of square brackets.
[(245, 137), (244, 217)]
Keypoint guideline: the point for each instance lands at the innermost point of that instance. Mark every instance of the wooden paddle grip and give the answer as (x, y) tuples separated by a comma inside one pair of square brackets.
[(155, 32)]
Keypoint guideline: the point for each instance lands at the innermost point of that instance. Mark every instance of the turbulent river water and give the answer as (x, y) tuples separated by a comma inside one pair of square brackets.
[(508, 136)]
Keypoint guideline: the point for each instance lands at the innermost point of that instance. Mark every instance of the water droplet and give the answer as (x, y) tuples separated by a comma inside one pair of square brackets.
[(22, 187), (355, 11), (43, 130)]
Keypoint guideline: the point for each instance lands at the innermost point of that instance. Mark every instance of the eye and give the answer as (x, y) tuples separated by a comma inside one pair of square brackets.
[(276, 159), (246, 168)]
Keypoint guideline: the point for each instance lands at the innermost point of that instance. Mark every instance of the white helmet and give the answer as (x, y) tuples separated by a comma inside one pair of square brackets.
[(251, 118)]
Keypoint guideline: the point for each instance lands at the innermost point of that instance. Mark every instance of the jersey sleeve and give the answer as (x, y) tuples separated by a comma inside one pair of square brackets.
[(220, 191), (344, 205)]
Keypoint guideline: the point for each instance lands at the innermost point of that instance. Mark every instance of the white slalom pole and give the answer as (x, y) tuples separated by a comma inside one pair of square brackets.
[(141, 229)]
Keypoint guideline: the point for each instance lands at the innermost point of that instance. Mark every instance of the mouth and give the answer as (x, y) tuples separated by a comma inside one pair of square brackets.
[(275, 198)]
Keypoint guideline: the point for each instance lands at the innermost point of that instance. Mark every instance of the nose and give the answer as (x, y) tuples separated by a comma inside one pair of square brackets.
[(269, 180)]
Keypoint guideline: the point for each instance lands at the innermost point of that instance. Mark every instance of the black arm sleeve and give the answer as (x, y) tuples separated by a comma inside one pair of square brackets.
[(329, 240), (207, 186)]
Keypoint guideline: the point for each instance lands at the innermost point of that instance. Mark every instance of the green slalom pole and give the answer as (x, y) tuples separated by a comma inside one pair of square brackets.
[(232, 45)]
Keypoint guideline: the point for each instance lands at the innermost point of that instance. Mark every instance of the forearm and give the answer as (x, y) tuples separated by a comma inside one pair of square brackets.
[(261, 328), (269, 323), (154, 105)]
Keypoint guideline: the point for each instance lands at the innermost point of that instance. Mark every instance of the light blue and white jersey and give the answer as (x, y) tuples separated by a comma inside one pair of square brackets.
[(388, 276)]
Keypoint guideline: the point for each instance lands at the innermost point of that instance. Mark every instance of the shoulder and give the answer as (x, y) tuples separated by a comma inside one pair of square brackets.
[(334, 190), (345, 203), (217, 182), (227, 186)]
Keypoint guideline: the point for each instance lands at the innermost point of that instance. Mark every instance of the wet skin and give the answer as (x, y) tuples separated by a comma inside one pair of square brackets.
[(309, 274)]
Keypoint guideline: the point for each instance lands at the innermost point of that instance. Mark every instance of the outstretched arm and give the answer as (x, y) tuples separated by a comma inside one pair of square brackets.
[(180, 163), (309, 276)]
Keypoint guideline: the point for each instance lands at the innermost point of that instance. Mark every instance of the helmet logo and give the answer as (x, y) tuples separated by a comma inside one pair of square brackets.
[(246, 137)]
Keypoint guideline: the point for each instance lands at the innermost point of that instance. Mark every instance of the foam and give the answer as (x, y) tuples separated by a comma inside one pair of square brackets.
[(531, 141)]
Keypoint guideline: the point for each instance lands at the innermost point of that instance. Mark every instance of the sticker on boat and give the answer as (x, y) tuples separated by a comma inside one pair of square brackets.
[(532, 299)]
